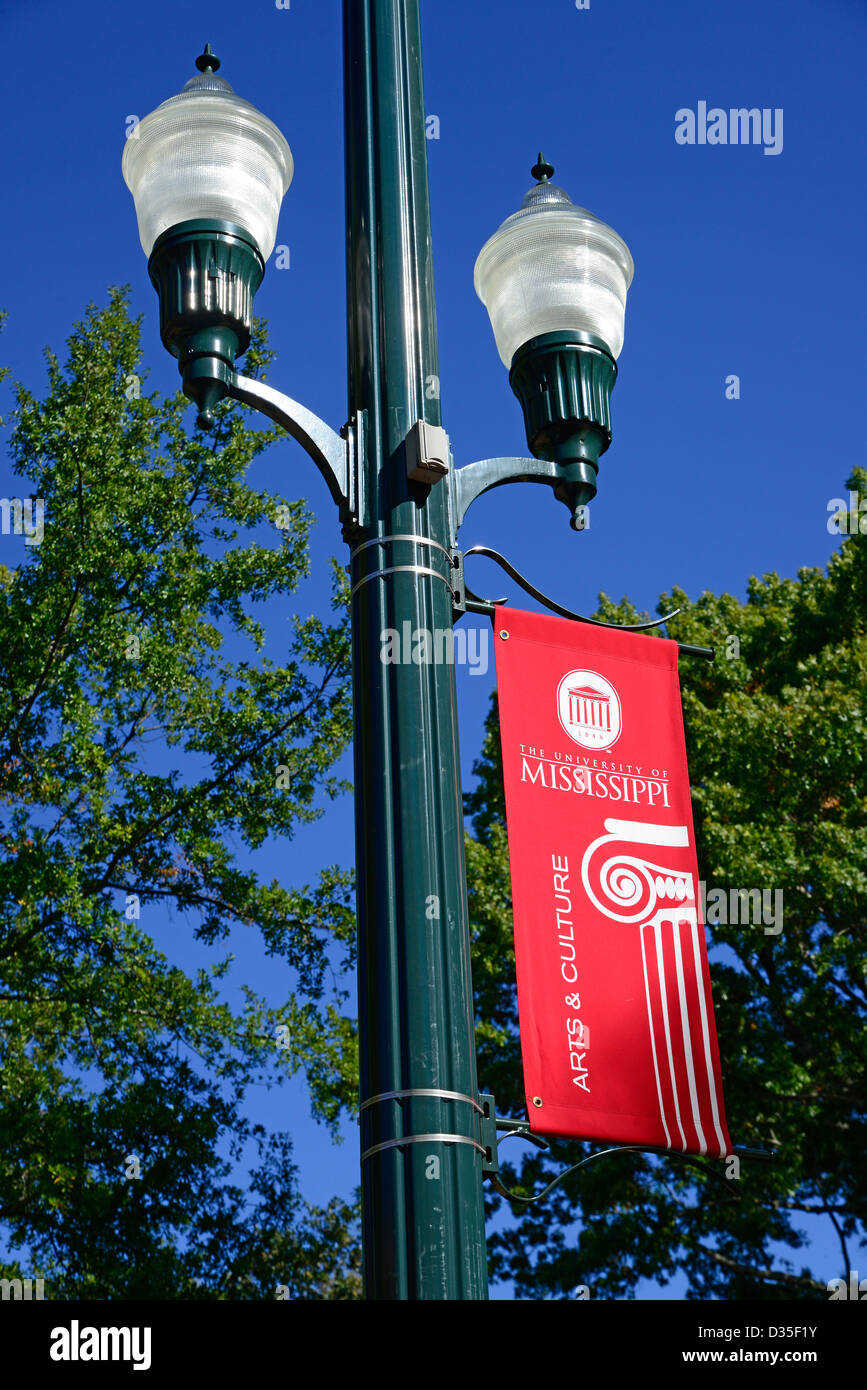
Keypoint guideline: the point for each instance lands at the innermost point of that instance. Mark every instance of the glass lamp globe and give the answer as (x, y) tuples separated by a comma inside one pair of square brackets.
[(207, 153), (553, 267), (208, 173), (554, 279)]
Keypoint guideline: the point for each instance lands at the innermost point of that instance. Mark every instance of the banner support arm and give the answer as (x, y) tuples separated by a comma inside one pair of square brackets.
[(472, 603)]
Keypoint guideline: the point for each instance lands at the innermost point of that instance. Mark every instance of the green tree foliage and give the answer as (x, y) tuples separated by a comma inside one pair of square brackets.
[(777, 743), (146, 744)]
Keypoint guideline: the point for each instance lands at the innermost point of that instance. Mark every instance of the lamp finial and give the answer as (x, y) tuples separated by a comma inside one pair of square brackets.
[(543, 170), (208, 60)]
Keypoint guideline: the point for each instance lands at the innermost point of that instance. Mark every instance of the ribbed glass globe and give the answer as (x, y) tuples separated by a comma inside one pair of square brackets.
[(551, 267), (206, 153)]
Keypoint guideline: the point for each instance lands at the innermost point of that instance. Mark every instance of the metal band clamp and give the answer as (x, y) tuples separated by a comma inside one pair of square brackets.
[(400, 569), (422, 1139), (386, 540), (422, 1091)]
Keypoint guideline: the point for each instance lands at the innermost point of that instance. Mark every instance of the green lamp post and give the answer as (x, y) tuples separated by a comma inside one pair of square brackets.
[(208, 173)]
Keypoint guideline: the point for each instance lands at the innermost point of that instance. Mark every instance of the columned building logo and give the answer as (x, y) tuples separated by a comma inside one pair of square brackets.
[(588, 707)]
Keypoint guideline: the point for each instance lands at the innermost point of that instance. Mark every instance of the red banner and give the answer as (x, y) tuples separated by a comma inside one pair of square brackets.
[(617, 1026)]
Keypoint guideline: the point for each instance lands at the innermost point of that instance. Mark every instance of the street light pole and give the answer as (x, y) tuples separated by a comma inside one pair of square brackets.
[(554, 280), (423, 1211)]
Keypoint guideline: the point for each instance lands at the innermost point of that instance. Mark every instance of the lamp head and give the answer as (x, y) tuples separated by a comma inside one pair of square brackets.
[(554, 279), (208, 173)]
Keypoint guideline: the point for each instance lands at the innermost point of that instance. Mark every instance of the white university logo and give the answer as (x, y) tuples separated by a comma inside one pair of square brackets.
[(588, 707)]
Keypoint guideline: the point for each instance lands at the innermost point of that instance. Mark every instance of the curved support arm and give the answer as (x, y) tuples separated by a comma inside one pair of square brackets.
[(479, 604), (473, 479), (558, 607), (325, 446)]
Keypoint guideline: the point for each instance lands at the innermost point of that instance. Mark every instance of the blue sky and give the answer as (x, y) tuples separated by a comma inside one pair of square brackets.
[(747, 264)]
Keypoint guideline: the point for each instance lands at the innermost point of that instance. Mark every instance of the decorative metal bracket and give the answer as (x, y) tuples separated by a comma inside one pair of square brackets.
[(472, 603), (488, 1135), (473, 479), (334, 454), (521, 1129)]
